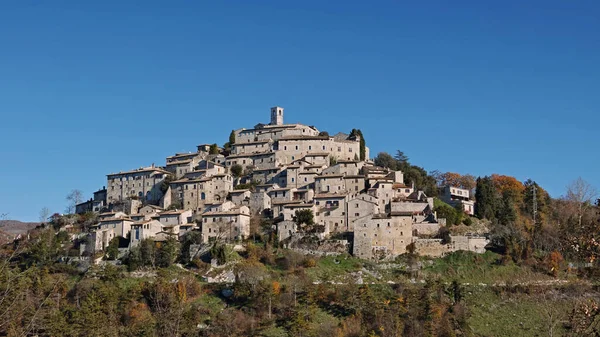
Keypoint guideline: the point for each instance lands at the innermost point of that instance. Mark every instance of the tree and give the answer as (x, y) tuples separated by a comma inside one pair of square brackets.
[(581, 194), (236, 170), (486, 197), (304, 216), (384, 159), (467, 182), (167, 252), (214, 149), (232, 137), (73, 198), (363, 144), (401, 157), (112, 251), (44, 214), (451, 178), (443, 210)]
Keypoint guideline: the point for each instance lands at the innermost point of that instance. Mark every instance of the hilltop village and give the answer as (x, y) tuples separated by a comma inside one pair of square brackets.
[(320, 194)]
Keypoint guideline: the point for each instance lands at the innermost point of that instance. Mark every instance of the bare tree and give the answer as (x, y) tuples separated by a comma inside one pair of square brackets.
[(74, 197), (581, 194), (44, 214)]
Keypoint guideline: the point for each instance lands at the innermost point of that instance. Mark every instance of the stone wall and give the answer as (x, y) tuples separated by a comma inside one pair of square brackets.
[(434, 247)]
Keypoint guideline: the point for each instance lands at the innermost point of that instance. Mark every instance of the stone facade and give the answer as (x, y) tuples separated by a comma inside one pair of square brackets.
[(458, 196), (226, 225), (382, 237), (143, 184)]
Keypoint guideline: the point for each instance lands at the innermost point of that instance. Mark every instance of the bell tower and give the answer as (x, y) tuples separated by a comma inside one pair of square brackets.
[(277, 115)]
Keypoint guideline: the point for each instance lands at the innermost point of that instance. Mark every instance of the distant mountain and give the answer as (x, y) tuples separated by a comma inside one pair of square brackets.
[(10, 229)]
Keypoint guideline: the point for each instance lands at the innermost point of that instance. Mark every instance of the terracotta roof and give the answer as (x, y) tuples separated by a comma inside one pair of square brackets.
[(287, 202), (251, 143), (279, 189), (176, 212), (153, 206), (329, 195), (326, 176), (302, 137), (299, 205), (115, 219), (232, 212), (140, 170), (187, 161)]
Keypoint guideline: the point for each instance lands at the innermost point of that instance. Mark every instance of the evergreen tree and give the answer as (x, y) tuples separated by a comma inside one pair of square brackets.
[(486, 199), (214, 149), (232, 137)]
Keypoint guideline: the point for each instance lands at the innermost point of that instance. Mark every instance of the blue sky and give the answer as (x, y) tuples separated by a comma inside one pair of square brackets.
[(480, 87)]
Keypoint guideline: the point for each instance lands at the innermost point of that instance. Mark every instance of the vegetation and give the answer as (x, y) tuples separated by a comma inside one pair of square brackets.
[(412, 174), (214, 149), (236, 170)]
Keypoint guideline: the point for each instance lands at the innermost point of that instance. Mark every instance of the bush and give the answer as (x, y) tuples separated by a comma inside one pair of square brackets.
[(468, 221), (309, 262)]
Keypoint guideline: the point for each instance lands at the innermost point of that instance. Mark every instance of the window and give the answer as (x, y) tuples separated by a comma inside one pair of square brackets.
[(296, 147), (285, 148), (310, 146), (357, 214), (292, 179), (339, 149), (377, 225), (349, 149), (323, 147)]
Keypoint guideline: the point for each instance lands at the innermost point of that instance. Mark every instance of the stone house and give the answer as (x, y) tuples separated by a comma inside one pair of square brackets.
[(259, 146), (241, 197), (143, 184), (144, 229), (383, 237), (233, 224), (455, 196), (259, 201), (95, 204), (333, 183), (107, 229), (331, 211), (182, 163), (360, 208)]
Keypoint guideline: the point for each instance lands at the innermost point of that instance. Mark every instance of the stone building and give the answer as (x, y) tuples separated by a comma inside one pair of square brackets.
[(232, 225), (455, 196), (182, 163), (96, 204), (382, 237), (142, 184), (144, 229)]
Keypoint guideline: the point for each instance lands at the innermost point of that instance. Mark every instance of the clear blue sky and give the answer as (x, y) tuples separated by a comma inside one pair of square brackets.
[(481, 87)]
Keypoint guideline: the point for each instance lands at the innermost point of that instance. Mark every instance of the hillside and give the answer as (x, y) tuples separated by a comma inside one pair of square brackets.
[(9, 229)]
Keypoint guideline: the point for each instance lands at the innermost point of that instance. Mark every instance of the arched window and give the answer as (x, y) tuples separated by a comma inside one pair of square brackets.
[(202, 196)]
